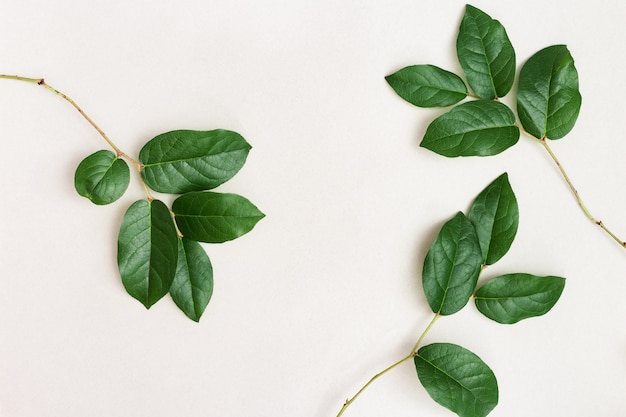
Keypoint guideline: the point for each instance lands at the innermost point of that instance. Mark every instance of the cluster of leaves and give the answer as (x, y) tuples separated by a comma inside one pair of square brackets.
[(548, 97), (452, 375), (158, 248)]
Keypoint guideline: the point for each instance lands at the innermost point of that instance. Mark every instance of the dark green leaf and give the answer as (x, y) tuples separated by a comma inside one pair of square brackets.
[(510, 298), (452, 266), (214, 217), (495, 216), (102, 177), (147, 251), (486, 54), (187, 160), (548, 99), (475, 128), (193, 284), (428, 86), (457, 379)]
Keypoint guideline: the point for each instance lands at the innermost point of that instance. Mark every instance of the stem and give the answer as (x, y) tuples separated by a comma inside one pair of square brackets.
[(421, 338), (389, 368), (118, 151), (374, 378), (577, 196)]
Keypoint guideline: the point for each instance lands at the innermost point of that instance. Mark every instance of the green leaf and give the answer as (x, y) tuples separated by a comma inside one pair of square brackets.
[(457, 379), (486, 54), (475, 128), (548, 99), (214, 217), (187, 160), (510, 298), (147, 251), (428, 86), (495, 216), (193, 284), (452, 266), (102, 177)]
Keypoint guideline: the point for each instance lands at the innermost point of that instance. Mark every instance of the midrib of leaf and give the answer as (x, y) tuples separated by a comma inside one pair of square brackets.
[(445, 291), (184, 160), (218, 216), (484, 54), (513, 298), (489, 72), (436, 89), (109, 167), (549, 96), (492, 225), (151, 243)]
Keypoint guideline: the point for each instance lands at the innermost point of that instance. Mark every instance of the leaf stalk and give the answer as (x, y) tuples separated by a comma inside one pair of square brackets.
[(574, 191), (118, 151), (390, 367)]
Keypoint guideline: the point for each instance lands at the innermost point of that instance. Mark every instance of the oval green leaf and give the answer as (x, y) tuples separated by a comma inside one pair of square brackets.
[(188, 160), (475, 128), (548, 99), (147, 251), (428, 86), (495, 216), (486, 54), (102, 177), (214, 217), (510, 298), (452, 266), (192, 287), (457, 379)]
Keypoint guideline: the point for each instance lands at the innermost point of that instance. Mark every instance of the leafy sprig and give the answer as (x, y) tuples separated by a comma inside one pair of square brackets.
[(452, 375), (548, 97), (158, 250)]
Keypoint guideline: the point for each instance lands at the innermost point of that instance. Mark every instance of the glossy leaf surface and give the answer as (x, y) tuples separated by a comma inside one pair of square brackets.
[(428, 86), (457, 379), (548, 98), (102, 177), (486, 54), (193, 284), (214, 217), (187, 160), (452, 266), (147, 251), (510, 298), (495, 216), (475, 128)]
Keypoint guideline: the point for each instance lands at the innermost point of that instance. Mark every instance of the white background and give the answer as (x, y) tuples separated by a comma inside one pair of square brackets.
[(326, 290)]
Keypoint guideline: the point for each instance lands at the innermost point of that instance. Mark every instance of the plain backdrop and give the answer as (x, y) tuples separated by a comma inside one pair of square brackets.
[(326, 290)]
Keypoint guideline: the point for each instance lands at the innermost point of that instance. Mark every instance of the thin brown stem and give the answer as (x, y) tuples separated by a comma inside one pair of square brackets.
[(545, 145), (374, 378), (389, 368), (118, 151)]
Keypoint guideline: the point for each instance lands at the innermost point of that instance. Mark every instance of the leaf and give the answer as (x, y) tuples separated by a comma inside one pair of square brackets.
[(495, 216), (214, 217), (486, 54), (452, 266), (102, 177), (428, 86), (193, 284), (475, 128), (187, 160), (548, 99), (457, 379), (147, 251), (510, 298)]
